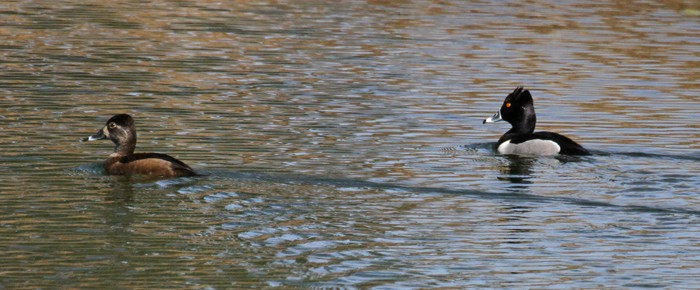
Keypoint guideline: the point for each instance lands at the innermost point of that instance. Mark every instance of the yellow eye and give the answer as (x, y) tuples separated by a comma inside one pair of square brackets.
[(508, 105), (112, 125)]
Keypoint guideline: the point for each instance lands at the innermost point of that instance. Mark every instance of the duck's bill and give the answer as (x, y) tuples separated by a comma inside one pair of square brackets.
[(493, 119), (99, 136)]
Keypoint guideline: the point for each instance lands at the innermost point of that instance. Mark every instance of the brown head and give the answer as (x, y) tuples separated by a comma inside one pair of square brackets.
[(120, 129)]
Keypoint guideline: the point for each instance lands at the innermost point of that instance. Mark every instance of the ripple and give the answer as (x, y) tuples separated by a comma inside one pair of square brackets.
[(216, 197), (185, 190)]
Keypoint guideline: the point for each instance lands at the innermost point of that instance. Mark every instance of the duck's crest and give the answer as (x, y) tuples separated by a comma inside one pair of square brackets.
[(519, 93)]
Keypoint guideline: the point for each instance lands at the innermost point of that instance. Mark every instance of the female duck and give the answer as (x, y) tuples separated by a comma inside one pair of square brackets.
[(518, 110), (120, 129)]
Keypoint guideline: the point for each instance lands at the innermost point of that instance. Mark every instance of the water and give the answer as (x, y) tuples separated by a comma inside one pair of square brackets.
[(343, 146)]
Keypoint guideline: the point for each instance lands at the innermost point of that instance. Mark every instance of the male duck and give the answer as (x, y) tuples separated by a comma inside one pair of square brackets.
[(120, 129), (518, 110)]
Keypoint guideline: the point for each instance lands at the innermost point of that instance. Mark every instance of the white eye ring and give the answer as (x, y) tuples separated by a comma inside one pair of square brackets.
[(112, 125)]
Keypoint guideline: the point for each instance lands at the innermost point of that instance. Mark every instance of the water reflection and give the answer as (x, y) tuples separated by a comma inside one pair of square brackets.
[(518, 170), (121, 191)]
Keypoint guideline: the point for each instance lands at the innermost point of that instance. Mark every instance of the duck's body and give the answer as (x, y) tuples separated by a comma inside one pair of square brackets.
[(518, 110), (147, 164), (121, 130)]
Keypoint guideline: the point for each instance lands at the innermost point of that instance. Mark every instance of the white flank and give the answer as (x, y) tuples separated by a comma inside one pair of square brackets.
[(530, 147)]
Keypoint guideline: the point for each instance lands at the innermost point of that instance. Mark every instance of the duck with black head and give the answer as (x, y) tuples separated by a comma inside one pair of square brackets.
[(121, 130), (518, 109)]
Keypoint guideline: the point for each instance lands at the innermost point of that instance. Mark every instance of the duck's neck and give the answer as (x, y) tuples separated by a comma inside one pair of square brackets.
[(125, 148), (526, 127)]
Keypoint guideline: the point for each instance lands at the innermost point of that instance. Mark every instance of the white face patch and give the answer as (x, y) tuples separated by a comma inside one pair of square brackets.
[(530, 147)]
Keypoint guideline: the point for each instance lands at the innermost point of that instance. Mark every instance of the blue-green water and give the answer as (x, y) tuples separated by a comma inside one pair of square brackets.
[(343, 146)]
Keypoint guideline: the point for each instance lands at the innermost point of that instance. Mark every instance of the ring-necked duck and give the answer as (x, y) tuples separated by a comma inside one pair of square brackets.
[(518, 110), (120, 129)]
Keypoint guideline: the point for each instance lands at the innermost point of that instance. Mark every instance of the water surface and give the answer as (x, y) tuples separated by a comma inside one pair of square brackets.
[(343, 145)]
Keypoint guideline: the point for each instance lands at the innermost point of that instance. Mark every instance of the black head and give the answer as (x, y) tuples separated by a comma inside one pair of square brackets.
[(518, 109), (120, 129), (518, 106)]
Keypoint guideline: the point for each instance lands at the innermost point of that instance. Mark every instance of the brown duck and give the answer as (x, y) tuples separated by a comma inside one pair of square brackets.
[(120, 129)]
